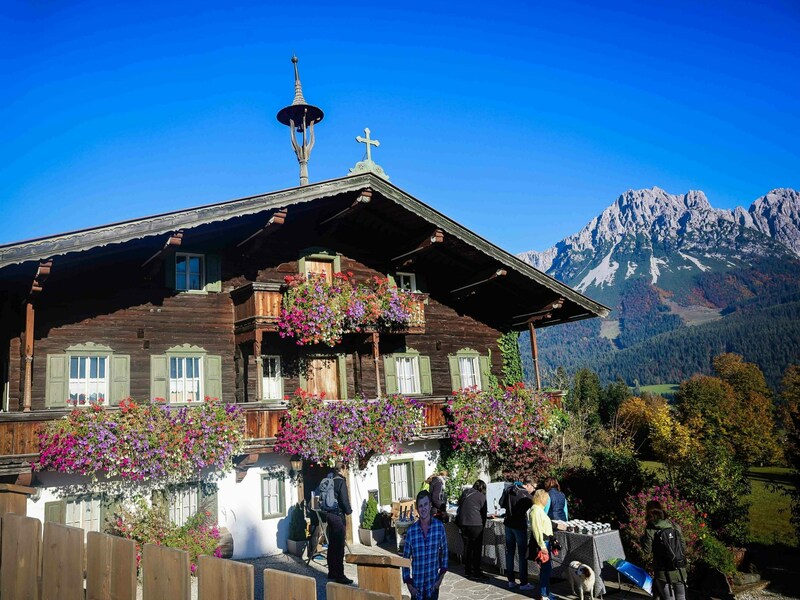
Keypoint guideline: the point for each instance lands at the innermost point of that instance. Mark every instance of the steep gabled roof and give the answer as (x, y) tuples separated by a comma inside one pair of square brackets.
[(574, 306)]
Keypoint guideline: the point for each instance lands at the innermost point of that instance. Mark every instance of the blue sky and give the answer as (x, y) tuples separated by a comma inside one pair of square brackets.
[(522, 121)]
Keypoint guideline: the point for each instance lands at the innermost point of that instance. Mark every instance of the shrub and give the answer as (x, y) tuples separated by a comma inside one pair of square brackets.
[(615, 475), (714, 481), (297, 523), (146, 524), (718, 556), (369, 516)]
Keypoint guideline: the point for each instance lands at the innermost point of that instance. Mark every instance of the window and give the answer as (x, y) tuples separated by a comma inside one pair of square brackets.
[(407, 372), (319, 261), (406, 282), (88, 379), (184, 378), (468, 368), (272, 496), (189, 272), (273, 382), (83, 513), (407, 368), (469, 371), (84, 373), (183, 504), (400, 479)]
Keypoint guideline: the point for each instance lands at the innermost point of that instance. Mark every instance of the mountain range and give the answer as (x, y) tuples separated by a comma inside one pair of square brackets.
[(685, 281)]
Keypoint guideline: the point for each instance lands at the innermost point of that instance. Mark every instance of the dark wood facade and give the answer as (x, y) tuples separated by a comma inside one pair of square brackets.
[(112, 286)]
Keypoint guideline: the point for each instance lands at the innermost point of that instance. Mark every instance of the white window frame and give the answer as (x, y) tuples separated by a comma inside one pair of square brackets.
[(84, 512), (408, 467), (184, 285), (272, 385), (400, 276), (184, 502), (183, 379), (475, 380), (273, 496), (87, 383), (408, 383)]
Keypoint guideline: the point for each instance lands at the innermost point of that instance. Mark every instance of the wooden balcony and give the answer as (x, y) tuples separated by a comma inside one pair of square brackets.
[(19, 441), (257, 306)]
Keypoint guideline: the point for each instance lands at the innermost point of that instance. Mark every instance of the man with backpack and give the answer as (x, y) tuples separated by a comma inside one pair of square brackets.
[(664, 539), (334, 501), (517, 501)]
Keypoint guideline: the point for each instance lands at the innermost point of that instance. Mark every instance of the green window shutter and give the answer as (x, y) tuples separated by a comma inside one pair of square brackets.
[(57, 385), (213, 377), (384, 484), (55, 512), (419, 474), (486, 371), (390, 373), (213, 273), (169, 271), (209, 501), (301, 266), (425, 380), (108, 506), (341, 364), (455, 373), (159, 377), (120, 377), (392, 280)]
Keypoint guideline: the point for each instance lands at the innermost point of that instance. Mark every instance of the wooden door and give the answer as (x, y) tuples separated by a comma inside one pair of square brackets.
[(320, 267), (323, 378)]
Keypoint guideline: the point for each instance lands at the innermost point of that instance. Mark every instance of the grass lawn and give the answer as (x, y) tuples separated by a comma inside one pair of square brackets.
[(769, 509), (664, 389)]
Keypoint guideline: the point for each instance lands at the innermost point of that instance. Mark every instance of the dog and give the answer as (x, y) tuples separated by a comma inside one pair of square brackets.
[(582, 577)]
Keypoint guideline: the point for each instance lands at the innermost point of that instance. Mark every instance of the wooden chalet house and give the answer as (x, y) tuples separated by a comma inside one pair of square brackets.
[(184, 305)]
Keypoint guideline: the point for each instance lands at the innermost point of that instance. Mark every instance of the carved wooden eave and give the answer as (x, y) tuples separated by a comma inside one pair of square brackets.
[(472, 287), (577, 306), (254, 241), (436, 237)]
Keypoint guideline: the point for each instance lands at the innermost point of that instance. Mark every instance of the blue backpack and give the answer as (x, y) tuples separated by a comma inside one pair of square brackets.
[(327, 495)]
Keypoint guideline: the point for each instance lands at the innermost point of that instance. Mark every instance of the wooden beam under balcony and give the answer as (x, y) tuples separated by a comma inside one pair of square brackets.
[(436, 237), (546, 312), (255, 240)]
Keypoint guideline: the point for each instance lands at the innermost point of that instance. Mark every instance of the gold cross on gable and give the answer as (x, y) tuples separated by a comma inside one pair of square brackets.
[(369, 142)]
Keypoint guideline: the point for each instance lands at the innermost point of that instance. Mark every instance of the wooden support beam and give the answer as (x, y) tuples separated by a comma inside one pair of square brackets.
[(259, 365), (436, 237), (471, 288), (546, 312), (364, 198), (42, 273), (535, 355), (170, 246), (274, 223), (376, 356)]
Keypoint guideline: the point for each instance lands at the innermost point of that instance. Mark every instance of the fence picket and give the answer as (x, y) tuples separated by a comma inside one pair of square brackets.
[(111, 569), (165, 573), (220, 578), (20, 551), (280, 585), (337, 591), (62, 562)]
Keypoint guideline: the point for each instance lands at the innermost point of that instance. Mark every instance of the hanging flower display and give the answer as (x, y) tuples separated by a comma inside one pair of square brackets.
[(348, 430), (318, 311), (143, 441)]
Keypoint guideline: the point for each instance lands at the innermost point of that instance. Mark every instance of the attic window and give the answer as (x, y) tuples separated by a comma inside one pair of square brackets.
[(189, 271), (406, 282)]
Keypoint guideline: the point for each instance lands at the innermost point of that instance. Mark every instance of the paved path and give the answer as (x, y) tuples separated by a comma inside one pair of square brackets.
[(454, 587)]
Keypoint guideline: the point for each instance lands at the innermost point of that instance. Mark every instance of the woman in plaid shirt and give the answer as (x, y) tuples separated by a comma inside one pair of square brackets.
[(426, 546)]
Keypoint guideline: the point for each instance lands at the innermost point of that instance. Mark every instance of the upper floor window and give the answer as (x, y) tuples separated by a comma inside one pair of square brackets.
[(189, 271), (88, 379), (185, 378), (407, 372), (319, 261), (273, 379), (407, 368), (406, 282), (469, 369)]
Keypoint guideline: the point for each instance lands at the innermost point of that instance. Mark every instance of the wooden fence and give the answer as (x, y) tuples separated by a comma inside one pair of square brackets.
[(53, 567)]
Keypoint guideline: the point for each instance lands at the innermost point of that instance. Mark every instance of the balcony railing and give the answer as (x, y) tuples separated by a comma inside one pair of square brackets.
[(257, 305), (19, 440)]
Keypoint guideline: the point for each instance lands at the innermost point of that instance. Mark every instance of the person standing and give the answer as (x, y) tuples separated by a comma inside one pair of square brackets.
[(426, 546), (541, 532), (471, 519), (669, 581), (336, 525), (517, 501), (556, 508), (438, 497)]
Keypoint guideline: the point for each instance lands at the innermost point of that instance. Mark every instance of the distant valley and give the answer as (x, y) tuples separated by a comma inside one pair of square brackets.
[(685, 281)]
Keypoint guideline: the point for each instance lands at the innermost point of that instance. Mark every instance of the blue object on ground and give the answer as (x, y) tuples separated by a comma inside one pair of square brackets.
[(635, 573)]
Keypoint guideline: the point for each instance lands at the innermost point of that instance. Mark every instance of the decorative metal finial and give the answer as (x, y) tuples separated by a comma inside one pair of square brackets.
[(368, 166), (300, 117)]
